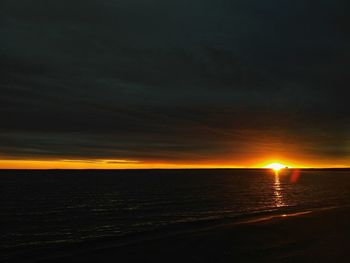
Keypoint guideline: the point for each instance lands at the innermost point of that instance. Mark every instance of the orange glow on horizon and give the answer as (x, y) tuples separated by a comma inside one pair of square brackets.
[(100, 164), (135, 164)]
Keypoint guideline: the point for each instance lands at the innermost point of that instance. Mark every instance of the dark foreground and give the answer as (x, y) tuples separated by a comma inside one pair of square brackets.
[(319, 236)]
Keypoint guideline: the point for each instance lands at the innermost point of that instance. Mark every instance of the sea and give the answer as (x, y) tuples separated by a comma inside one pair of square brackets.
[(61, 208)]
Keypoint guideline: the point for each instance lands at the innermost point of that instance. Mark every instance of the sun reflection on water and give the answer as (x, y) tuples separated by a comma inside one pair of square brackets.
[(278, 191)]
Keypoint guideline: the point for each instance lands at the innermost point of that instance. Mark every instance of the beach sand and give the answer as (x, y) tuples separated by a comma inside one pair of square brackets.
[(310, 236)]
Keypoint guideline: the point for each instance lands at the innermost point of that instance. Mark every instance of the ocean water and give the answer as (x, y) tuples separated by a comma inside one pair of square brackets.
[(41, 208)]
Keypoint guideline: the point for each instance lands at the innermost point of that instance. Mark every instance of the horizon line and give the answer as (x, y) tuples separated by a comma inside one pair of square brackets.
[(143, 169)]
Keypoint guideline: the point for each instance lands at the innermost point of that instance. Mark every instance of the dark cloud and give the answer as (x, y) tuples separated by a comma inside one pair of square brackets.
[(173, 80)]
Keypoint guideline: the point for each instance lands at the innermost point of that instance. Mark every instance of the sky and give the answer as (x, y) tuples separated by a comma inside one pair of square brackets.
[(175, 83)]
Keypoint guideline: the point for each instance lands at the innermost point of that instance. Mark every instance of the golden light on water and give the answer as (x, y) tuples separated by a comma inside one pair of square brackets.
[(277, 185), (278, 191)]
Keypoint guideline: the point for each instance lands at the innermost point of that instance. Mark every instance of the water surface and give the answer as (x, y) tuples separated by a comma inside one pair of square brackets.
[(50, 207)]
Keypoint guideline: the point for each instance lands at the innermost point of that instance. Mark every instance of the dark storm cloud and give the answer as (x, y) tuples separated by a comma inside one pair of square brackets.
[(172, 80)]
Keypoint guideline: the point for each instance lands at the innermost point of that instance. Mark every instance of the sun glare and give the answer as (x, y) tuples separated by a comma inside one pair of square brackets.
[(275, 166)]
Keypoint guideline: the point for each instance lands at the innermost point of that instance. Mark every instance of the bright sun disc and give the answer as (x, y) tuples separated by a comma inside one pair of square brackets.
[(275, 166)]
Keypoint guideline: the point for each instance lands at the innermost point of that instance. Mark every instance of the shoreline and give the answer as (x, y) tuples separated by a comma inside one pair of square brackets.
[(319, 235)]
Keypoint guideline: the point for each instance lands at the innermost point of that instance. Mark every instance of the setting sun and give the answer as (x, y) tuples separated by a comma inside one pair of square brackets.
[(275, 166)]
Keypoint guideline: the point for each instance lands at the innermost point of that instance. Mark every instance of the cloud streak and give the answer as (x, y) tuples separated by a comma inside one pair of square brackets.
[(181, 81)]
